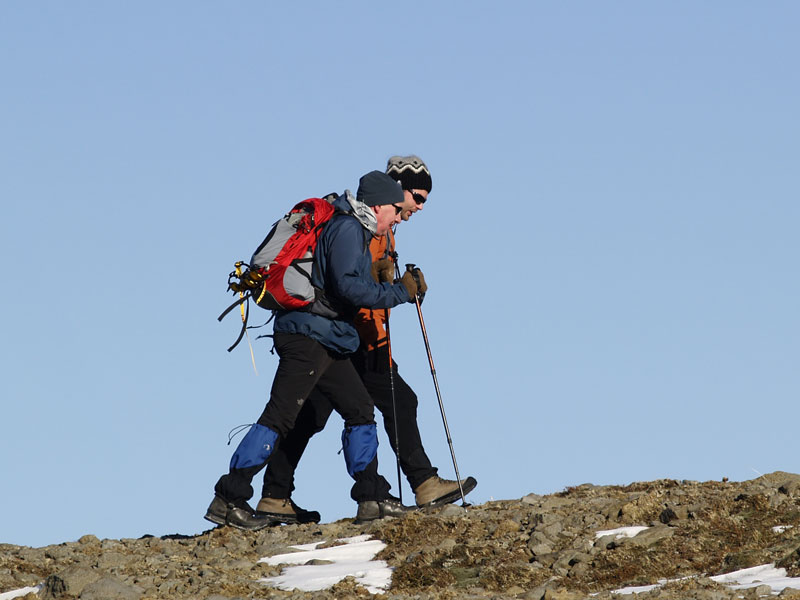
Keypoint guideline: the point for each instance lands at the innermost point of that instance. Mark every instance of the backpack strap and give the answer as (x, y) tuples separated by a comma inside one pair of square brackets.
[(234, 305), (245, 316)]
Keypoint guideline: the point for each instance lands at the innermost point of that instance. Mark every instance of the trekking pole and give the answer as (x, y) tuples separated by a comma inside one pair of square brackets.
[(411, 267), (394, 406)]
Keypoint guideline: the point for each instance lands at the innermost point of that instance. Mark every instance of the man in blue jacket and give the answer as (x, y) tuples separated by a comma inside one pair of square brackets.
[(313, 346), (392, 396)]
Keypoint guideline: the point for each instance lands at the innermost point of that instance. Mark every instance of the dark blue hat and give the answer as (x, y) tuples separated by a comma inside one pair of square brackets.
[(376, 188)]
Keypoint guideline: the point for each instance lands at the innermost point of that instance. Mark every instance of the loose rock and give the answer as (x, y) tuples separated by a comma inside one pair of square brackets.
[(541, 546)]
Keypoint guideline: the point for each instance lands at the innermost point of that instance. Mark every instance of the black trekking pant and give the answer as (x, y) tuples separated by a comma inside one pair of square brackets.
[(307, 367), (372, 366)]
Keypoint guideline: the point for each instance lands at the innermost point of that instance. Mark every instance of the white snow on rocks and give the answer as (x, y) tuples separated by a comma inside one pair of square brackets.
[(754, 576), (352, 558), (621, 532), (20, 592), (767, 575)]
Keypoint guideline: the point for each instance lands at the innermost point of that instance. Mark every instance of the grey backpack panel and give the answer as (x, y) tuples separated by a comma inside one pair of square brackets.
[(297, 279), (272, 244)]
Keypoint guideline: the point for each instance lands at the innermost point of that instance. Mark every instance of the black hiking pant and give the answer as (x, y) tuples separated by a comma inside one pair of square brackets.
[(373, 368), (308, 368)]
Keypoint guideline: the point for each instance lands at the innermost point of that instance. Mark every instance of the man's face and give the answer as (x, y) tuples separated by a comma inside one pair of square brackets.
[(387, 215), (413, 201)]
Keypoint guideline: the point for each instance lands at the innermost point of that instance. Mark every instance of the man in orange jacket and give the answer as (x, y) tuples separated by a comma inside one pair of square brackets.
[(392, 396)]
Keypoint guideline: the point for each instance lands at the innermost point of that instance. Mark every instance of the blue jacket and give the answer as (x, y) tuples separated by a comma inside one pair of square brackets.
[(342, 269)]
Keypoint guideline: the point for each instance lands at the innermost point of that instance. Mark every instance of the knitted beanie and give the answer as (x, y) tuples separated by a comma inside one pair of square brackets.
[(410, 171), (376, 188)]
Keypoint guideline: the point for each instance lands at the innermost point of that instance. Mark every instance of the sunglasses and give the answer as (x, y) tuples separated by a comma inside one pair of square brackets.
[(418, 198), (397, 209)]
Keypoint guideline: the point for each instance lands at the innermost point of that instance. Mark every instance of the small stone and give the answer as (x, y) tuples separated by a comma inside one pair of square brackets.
[(109, 588), (790, 488), (540, 549), (238, 564), (606, 541), (111, 560), (764, 590), (560, 594), (649, 536), (531, 499), (667, 515), (447, 545), (26, 579), (88, 539), (552, 530), (452, 510), (538, 593), (70, 582), (57, 553), (579, 570)]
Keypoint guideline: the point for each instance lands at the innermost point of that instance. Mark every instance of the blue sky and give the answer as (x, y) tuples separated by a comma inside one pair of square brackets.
[(611, 241)]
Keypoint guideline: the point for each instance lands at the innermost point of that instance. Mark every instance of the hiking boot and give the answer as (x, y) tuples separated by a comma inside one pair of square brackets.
[(238, 515), (284, 510), (436, 491), (369, 510)]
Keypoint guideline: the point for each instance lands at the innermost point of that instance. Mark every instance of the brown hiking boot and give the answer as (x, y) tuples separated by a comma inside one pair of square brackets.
[(436, 491), (284, 510)]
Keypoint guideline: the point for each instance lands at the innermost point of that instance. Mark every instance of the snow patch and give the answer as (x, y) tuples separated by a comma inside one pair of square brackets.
[(769, 575), (781, 528), (352, 559), (621, 532), (20, 592), (763, 575)]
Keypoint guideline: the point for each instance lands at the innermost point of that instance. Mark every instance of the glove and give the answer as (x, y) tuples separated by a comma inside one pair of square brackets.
[(414, 282), (383, 270)]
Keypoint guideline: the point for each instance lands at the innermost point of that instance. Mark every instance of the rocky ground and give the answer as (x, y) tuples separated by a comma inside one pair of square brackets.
[(534, 548)]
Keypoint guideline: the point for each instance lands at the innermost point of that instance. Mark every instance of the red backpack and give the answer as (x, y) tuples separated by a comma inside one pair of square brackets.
[(279, 274)]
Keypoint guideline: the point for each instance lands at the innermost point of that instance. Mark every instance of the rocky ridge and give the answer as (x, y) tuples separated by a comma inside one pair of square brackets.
[(535, 548)]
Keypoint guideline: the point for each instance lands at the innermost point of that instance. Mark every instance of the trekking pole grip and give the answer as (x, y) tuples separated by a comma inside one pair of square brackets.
[(412, 268), (415, 273)]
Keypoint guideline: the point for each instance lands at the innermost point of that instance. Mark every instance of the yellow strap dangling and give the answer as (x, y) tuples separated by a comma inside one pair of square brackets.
[(238, 266), (252, 356)]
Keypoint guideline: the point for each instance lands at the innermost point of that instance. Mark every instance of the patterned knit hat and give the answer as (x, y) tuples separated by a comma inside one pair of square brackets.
[(410, 171)]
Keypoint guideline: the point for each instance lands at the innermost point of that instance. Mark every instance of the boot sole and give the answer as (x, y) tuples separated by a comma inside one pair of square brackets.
[(217, 520), (361, 521), (469, 484), (289, 519), (259, 528), (279, 518)]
